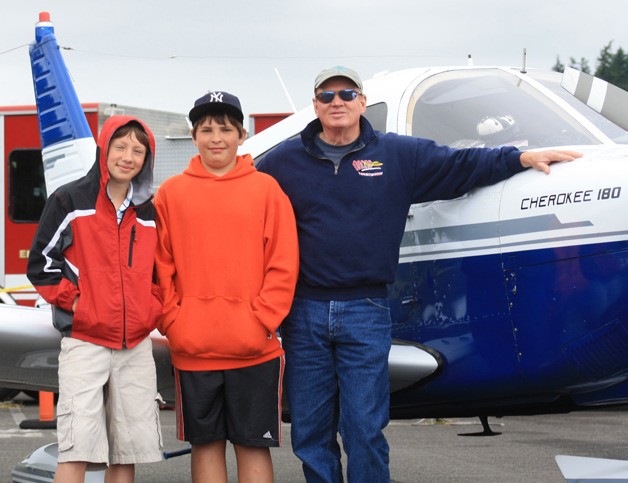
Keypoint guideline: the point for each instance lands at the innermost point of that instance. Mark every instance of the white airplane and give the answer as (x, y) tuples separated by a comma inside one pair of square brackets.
[(512, 299), (518, 290)]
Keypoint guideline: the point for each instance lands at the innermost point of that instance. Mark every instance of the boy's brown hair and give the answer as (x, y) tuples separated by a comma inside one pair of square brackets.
[(218, 106), (222, 118), (135, 128)]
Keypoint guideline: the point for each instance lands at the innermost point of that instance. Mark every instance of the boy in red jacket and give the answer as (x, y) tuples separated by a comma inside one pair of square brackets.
[(227, 262), (92, 259)]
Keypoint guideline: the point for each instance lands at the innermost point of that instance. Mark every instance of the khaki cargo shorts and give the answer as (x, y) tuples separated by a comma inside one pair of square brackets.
[(108, 409)]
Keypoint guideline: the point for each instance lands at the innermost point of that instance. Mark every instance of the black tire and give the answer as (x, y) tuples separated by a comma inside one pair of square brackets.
[(7, 394), (32, 394)]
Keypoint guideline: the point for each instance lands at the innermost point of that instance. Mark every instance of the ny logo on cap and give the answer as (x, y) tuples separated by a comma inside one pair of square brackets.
[(215, 97)]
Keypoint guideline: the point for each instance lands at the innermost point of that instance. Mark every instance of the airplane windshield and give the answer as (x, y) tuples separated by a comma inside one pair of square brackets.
[(490, 107)]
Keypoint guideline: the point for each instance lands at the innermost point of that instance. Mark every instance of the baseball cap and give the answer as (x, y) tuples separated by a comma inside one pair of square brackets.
[(338, 71), (216, 101)]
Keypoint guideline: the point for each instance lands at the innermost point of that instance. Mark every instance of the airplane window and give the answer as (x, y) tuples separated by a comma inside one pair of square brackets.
[(27, 186), (489, 107), (376, 115)]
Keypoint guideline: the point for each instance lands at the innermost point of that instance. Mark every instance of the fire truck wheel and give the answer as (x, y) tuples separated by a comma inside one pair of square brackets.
[(7, 393)]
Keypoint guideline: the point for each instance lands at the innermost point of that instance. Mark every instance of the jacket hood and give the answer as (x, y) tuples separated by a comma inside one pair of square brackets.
[(243, 167), (143, 181)]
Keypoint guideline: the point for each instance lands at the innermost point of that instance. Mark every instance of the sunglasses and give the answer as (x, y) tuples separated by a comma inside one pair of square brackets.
[(345, 94)]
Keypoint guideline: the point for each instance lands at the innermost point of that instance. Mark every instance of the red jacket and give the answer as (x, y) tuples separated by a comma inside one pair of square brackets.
[(79, 249)]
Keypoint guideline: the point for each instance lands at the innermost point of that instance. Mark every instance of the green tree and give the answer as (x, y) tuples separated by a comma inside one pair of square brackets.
[(613, 67), (604, 61), (582, 65), (558, 66)]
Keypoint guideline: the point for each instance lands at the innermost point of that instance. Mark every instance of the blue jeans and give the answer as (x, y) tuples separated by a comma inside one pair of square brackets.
[(337, 380)]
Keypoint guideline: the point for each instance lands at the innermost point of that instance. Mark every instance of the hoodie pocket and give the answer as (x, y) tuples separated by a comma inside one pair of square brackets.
[(217, 327)]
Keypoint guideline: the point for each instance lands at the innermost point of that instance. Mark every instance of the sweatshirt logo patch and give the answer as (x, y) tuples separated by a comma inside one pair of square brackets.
[(366, 167)]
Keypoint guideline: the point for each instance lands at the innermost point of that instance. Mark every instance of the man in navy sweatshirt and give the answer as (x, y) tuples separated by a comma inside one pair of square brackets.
[(351, 188)]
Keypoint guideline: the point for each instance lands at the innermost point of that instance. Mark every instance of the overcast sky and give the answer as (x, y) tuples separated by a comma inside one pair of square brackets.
[(164, 54)]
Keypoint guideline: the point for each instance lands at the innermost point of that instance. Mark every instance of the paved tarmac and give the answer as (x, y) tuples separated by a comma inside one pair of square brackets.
[(421, 450)]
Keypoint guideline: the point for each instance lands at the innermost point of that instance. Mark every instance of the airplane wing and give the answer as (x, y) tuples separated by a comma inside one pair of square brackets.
[(580, 468), (30, 351), (30, 347)]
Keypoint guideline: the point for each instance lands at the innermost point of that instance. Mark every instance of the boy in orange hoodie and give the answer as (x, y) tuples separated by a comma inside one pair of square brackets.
[(227, 262)]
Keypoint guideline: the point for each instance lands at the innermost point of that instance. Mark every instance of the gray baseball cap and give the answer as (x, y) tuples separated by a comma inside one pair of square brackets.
[(338, 71)]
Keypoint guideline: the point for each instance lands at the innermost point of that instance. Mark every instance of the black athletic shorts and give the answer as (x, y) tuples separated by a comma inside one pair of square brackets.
[(241, 405)]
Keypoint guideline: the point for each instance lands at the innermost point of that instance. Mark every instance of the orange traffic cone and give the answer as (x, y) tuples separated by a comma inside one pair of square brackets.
[(46, 413)]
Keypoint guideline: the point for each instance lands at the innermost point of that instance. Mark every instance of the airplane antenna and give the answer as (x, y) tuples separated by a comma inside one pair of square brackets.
[(294, 109), (523, 68), (469, 59)]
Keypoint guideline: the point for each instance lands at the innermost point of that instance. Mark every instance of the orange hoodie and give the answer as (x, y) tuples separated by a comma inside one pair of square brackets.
[(227, 261)]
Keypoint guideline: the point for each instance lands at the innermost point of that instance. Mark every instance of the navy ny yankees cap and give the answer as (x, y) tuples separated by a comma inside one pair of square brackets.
[(216, 101)]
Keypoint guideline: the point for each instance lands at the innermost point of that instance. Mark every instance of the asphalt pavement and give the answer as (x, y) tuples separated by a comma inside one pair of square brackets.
[(421, 450)]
